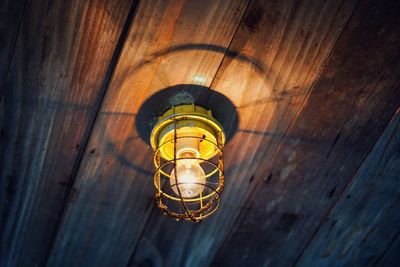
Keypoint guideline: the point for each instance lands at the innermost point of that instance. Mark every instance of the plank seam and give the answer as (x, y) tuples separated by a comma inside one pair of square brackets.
[(298, 111), (87, 136), (208, 95), (323, 65), (131, 259), (390, 245), (349, 182), (132, 256), (2, 90), (227, 51)]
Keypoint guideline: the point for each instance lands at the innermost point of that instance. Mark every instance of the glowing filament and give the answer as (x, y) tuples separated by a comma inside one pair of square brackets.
[(190, 177)]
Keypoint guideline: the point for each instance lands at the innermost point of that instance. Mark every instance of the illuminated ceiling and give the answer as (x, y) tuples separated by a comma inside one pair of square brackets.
[(311, 166)]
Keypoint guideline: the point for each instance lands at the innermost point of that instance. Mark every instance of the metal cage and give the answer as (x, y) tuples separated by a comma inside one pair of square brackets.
[(169, 196)]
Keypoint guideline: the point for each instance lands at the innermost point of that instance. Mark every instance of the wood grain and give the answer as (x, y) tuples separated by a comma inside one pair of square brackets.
[(287, 43), (114, 188), (362, 224), (310, 178), (390, 257), (57, 75), (342, 117), (11, 15)]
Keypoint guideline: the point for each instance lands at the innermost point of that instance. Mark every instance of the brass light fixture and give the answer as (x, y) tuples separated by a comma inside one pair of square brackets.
[(189, 171)]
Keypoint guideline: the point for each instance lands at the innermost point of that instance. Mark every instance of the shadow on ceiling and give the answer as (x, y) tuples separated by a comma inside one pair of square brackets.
[(258, 65), (222, 108)]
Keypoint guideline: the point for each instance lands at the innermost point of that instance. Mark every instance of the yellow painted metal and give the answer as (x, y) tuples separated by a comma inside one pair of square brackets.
[(189, 127), (190, 121)]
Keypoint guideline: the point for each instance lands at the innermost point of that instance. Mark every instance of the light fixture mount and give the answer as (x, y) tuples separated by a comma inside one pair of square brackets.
[(189, 171)]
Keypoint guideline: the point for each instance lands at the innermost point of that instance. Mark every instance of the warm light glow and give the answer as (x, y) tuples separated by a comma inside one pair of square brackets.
[(199, 79), (188, 140), (190, 175)]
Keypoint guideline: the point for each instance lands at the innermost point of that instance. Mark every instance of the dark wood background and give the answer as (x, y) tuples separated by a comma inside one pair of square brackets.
[(312, 169)]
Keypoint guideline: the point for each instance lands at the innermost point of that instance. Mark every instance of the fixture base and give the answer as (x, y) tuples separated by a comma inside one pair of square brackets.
[(186, 120)]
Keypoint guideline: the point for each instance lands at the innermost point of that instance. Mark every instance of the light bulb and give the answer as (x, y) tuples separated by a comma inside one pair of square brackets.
[(190, 178)]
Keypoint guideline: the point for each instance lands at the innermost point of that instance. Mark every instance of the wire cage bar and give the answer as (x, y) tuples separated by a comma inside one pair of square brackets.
[(178, 195)]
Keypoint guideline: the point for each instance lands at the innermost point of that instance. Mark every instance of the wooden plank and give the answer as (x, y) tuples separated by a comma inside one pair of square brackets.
[(391, 258), (286, 43), (346, 111), (10, 18), (364, 221), (114, 188), (57, 76)]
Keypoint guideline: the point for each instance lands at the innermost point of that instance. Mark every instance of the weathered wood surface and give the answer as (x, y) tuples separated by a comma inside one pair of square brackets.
[(364, 220), (308, 117), (391, 257), (59, 70), (11, 15), (288, 42), (346, 111), (114, 188)]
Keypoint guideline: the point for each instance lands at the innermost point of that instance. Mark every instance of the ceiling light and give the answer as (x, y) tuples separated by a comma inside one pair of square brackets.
[(189, 170)]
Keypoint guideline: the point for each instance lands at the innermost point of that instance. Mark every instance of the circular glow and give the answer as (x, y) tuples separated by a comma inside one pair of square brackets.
[(190, 178)]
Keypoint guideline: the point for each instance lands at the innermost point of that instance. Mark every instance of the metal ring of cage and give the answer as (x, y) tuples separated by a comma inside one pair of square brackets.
[(181, 137), (159, 171), (187, 116), (194, 215), (190, 214), (195, 208), (160, 168)]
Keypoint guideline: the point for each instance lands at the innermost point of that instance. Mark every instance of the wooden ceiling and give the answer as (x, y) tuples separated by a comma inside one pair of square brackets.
[(312, 168)]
